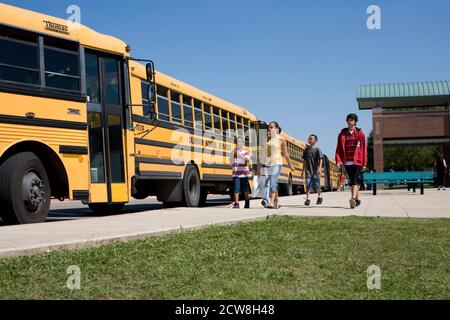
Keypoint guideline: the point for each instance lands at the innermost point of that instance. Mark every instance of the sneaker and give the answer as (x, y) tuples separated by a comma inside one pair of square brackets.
[(247, 204), (236, 205), (358, 202), (307, 202), (319, 201), (352, 203), (264, 203)]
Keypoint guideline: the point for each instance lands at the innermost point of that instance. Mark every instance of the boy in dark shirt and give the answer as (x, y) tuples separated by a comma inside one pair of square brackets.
[(313, 158)]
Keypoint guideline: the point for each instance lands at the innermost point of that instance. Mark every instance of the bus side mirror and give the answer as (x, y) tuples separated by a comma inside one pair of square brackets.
[(263, 125), (151, 99), (150, 68)]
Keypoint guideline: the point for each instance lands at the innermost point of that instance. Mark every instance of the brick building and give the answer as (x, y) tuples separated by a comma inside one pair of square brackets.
[(407, 114)]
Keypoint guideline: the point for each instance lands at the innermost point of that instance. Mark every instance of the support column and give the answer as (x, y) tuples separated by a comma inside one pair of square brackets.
[(378, 147), (378, 155)]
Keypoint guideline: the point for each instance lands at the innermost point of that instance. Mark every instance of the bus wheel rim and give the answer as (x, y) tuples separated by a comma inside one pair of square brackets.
[(33, 191)]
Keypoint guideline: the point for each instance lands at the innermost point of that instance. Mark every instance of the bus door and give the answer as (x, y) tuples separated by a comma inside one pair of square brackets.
[(106, 123)]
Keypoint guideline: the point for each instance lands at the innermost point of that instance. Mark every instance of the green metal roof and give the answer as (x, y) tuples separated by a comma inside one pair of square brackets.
[(404, 90)]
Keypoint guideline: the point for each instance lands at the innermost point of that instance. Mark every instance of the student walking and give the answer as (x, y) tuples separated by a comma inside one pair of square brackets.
[(240, 161), (440, 166), (351, 152), (276, 151), (313, 158)]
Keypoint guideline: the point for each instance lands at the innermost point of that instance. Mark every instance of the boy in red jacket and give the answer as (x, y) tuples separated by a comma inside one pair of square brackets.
[(351, 152)]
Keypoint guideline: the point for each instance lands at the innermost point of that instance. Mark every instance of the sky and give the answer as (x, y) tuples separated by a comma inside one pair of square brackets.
[(297, 62)]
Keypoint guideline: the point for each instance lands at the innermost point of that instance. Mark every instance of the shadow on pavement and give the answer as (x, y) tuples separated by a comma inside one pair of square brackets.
[(62, 214), (314, 207), (79, 211)]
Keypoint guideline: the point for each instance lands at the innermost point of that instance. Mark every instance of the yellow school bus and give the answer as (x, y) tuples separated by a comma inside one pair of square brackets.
[(82, 120), (292, 182), (335, 175), (183, 149)]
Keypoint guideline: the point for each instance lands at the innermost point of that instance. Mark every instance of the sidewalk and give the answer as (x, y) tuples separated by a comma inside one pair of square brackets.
[(33, 239)]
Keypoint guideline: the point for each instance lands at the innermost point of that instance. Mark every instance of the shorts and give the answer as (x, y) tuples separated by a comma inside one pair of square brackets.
[(313, 183), (354, 175), (241, 185)]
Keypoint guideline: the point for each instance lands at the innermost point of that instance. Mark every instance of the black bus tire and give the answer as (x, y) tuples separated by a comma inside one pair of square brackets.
[(191, 187), (25, 193), (286, 188), (203, 197)]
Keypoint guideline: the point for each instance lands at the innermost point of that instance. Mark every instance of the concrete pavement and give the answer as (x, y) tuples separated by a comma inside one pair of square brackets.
[(33, 239)]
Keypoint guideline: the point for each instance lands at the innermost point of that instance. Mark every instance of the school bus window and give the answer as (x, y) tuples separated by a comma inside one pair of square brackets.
[(176, 107), (233, 124), (92, 78), (112, 87), (62, 70), (198, 115), (208, 117), (19, 61), (145, 103), (187, 110), (225, 125), (217, 122), (96, 147), (246, 132), (239, 126), (163, 103), (116, 149), (253, 133)]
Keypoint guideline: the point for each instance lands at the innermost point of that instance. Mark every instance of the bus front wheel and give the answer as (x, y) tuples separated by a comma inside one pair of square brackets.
[(24, 190)]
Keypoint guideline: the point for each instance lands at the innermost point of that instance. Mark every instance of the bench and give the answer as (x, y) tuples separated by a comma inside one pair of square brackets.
[(409, 178)]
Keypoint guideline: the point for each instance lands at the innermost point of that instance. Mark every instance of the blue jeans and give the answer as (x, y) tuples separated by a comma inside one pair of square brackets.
[(272, 174), (313, 184)]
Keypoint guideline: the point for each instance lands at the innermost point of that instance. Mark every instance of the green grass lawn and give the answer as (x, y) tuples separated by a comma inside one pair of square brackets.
[(279, 258)]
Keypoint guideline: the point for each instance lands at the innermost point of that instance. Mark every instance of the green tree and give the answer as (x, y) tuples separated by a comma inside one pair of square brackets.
[(415, 158)]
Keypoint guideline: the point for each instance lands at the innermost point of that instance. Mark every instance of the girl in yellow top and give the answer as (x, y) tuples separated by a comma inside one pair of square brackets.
[(276, 151)]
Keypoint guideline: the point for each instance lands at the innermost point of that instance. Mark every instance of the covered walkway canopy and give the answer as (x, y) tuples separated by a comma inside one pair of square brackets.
[(407, 113), (407, 94)]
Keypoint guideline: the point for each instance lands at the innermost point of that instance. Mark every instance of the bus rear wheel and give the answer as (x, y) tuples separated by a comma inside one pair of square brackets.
[(106, 209), (191, 187), (287, 190), (24, 190)]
